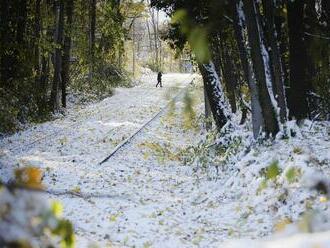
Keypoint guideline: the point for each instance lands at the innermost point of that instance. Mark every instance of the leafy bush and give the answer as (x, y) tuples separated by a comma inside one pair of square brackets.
[(18, 107), (217, 149)]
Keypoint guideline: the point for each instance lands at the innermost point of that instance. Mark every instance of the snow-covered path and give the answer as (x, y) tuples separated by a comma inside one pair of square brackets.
[(140, 197), (144, 196)]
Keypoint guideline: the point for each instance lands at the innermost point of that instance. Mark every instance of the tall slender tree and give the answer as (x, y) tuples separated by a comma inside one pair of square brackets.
[(275, 58), (58, 39), (91, 36), (238, 25), (67, 50), (259, 64)]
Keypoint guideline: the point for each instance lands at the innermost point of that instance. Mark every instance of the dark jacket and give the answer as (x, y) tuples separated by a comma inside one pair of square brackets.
[(159, 77)]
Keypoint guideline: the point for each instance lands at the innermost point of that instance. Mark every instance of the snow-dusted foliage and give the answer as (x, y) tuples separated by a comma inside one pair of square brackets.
[(27, 220), (270, 186)]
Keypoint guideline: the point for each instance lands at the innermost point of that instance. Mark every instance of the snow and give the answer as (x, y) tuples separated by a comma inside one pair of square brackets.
[(146, 197), (296, 241)]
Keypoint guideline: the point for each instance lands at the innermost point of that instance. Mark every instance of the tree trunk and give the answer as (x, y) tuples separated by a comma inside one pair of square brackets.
[(44, 77), (260, 70), (91, 37), (67, 51), (155, 32), (229, 75), (37, 33), (280, 22), (58, 39), (278, 80), (298, 104), (149, 35), (215, 94), (133, 47), (257, 118)]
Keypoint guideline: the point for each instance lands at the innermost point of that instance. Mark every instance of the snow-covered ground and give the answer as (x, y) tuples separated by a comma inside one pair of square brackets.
[(144, 196)]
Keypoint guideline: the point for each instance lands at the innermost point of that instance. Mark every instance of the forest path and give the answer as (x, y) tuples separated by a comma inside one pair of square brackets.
[(146, 198), (144, 195)]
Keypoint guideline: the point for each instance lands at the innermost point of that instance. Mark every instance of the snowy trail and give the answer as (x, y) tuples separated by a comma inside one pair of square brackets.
[(144, 196), (69, 151)]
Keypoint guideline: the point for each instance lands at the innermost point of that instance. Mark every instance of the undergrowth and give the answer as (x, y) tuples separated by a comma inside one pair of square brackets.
[(30, 216)]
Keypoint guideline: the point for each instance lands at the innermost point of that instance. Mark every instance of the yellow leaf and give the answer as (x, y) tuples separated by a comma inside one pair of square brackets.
[(29, 176), (57, 209)]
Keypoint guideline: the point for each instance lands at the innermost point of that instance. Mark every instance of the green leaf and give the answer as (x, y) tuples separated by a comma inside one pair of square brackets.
[(273, 170)]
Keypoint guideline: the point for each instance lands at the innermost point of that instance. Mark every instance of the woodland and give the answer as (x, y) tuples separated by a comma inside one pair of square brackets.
[(233, 150), (278, 51)]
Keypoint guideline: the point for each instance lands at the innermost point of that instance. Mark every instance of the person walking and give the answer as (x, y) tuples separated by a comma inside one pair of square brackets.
[(159, 79)]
